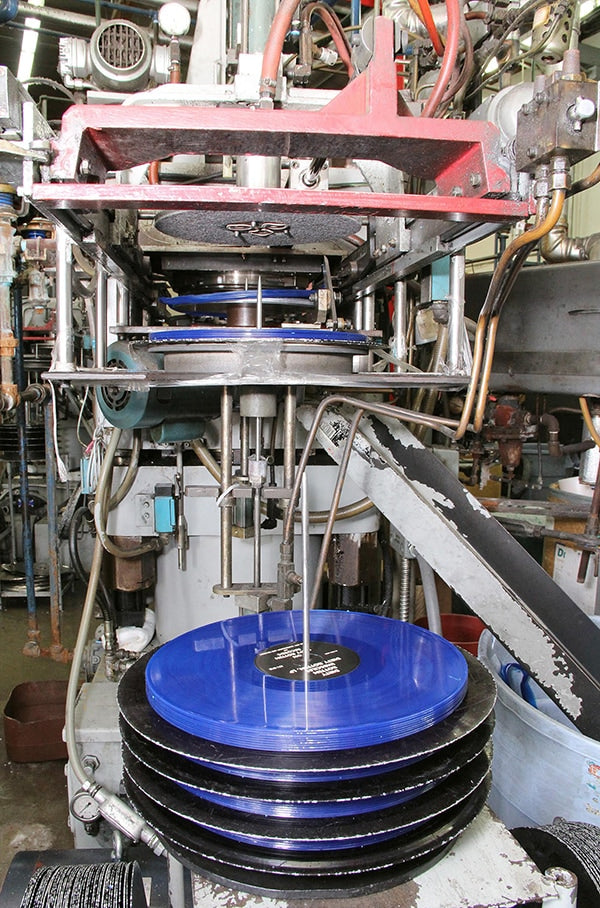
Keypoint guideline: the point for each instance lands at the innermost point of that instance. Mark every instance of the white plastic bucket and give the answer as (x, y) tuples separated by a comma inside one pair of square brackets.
[(542, 766)]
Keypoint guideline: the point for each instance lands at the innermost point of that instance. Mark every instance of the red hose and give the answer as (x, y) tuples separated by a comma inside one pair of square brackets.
[(274, 46), (448, 61), (431, 27)]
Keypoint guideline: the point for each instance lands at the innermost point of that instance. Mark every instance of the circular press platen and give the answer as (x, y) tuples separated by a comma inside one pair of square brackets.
[(255, 228)]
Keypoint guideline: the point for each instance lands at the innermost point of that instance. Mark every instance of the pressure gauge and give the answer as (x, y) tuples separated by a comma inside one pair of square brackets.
[(174, 19), (83, 807)]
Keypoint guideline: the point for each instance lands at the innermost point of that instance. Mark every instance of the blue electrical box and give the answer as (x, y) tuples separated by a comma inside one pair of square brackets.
[(164, 509)]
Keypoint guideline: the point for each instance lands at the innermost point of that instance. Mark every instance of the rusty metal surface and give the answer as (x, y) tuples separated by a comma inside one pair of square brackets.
[(540, 625), (486, 868)]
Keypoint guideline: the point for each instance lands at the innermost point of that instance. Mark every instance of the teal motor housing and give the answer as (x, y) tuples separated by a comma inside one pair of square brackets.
[(183, 409)]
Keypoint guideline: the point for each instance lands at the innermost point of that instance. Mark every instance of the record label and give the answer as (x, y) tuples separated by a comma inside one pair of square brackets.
[(327, 660)]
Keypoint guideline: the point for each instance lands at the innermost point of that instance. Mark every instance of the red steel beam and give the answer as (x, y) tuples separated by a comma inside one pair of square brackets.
[(95, 197), (366, 120)]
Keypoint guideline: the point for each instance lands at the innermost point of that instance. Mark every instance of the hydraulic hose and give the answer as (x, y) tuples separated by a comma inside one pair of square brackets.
[(448, 61)]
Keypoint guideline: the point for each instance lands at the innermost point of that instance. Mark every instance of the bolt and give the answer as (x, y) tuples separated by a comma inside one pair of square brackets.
[(295, 164), (532, 151), (475, 180), (85, 167), (456, 191)]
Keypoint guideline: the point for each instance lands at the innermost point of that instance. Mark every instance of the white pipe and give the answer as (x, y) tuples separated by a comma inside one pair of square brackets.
[(432, 605)]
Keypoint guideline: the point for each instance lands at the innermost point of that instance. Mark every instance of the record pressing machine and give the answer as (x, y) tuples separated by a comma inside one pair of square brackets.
[(239, 258)]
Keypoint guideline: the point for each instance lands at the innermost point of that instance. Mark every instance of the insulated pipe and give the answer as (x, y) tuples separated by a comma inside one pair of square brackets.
[(432, 605), (63, 347), (456, 313)]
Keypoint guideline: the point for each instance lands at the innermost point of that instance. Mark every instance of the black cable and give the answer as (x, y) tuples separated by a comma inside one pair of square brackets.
[(102, 597)]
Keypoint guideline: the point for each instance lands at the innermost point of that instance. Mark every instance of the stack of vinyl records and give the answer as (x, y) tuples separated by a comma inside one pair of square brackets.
[(113, 885), (343, 773)]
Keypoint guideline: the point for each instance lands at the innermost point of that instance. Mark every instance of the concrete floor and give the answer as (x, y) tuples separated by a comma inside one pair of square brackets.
[(33, 796)]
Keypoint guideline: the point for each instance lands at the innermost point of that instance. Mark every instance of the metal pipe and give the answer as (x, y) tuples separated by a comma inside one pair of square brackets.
[(400, 327), (358, 314), (432, 604), (124, 305), (558, 246), (456, 313), (257, 503), (226, 478), (368, 306), (63, 346), (335, 500), (116, 811), (32, 647), (289, 437), (244, 446), (101, 320), (259, 303), (57, 650), (244, 26), (305, 584), (11, 512)]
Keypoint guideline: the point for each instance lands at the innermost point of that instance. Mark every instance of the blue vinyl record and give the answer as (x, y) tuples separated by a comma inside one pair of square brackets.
[(242, 681)]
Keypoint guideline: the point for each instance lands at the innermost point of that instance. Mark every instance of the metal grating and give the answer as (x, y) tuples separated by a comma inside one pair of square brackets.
[(121, 46)]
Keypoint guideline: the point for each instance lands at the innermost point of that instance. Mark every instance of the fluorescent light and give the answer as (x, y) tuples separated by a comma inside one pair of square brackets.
[(29, 44)]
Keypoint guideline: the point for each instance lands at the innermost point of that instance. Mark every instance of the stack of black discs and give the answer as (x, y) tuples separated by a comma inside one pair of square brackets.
[(343, 773), (113, 885)]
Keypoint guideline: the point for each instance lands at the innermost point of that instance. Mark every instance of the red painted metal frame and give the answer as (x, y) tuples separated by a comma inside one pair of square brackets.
[(366, 120), (95, 197)]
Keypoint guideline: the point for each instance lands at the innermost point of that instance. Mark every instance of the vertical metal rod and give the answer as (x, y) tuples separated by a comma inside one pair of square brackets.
[(305, 584), (456, 313), (244, 446), (244, 26), (289, 437), (11, 512), (358, 314), (257, 502), (400, 349), (226, 476), (53, 563), (64, 347), (101, 321), (259, 303), (32, 647), (335, 501), (368, 312), (124, 305), (257, 538)]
